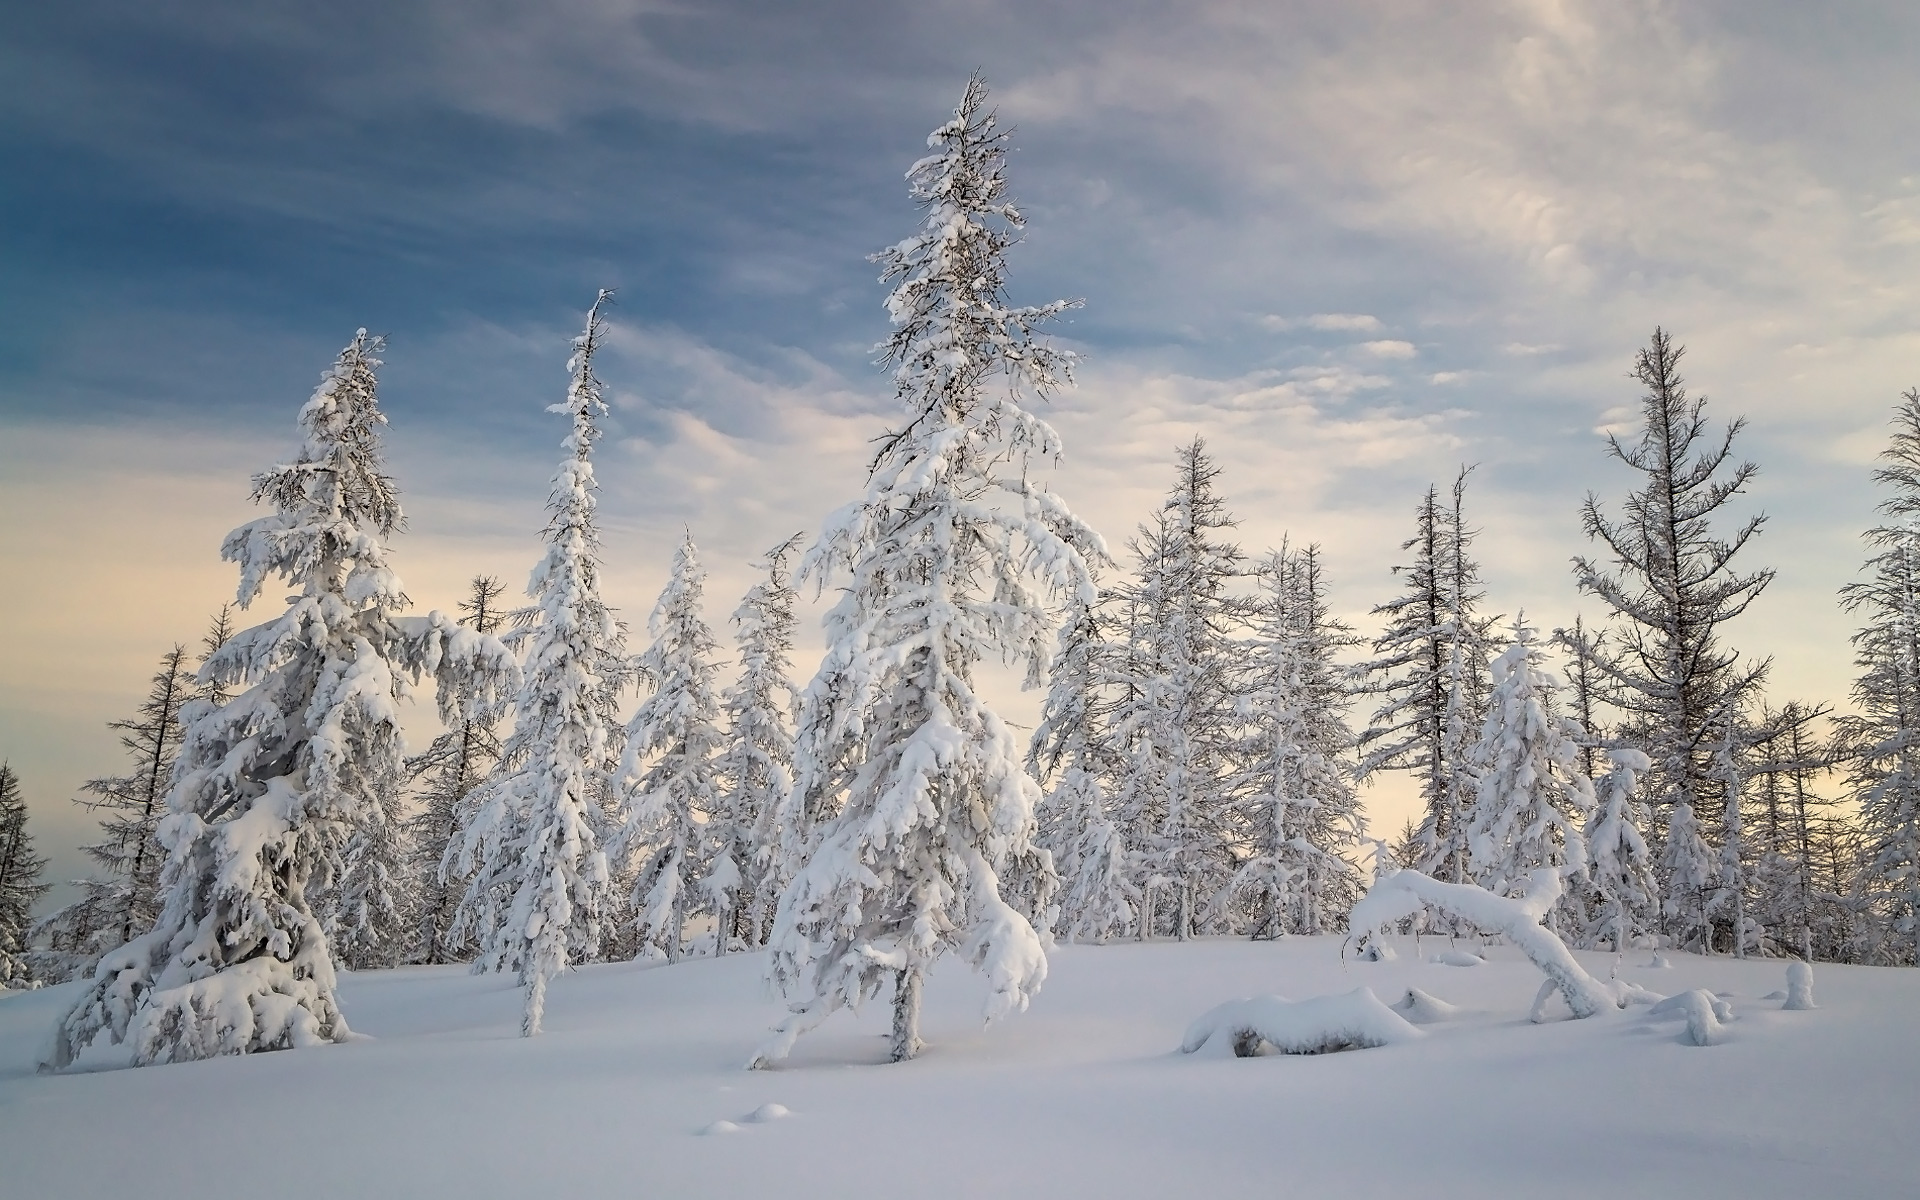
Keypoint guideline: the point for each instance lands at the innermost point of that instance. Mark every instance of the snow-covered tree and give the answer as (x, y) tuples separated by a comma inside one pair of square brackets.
[(20, 884), (1176, 720), (1295, 786), (1428, 670), (1072, 752), (530, 850), (1785, 807), (1626, 895), (755, 767), (450, 768), (1532, 800), (271, 788), (913, 789), (668, 775), (1880, 741), (123, 898), (1673, 588)]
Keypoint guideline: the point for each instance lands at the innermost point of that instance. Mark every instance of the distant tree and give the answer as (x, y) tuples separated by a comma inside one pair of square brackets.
[(273, 787), (123, 898), (1295, 785), (20, 885), (913, 788), (446, 772), (531, 848), (1176, 721), (1532, 801), (755, 766), (667, 778), (1429, 669), (1625, 892), (1785, 767), (1880, 741), (219, 631), (1673, 589)]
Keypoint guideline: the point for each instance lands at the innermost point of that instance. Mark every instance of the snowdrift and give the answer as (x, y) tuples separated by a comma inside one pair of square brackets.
[(1355, 1021)]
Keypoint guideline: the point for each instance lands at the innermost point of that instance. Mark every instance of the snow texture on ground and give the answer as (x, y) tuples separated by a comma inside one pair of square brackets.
[(1084, 1095)]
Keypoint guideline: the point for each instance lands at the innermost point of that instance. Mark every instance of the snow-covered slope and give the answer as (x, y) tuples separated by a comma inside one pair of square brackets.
[(1084, 1095)]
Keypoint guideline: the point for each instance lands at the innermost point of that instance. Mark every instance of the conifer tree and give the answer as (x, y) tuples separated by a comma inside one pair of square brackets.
[(531, 851), (452, 766), (1295, 788), (123, 899), (667, 776), (1789, 761), (1177, 722), (914, 788), (20, 884), (272, 787), (1880, 742), (1671, 583), (1429, 671), (1532, 801), (755, 767), (1626, 894), (1071, 751)]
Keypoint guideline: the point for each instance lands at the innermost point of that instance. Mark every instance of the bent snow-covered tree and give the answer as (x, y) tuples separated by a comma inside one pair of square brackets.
[(667, 773), (272, 788), (912, 789), (531, 848)]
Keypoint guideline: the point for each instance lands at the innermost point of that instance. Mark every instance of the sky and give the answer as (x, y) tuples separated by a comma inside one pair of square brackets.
[(1354, 246)]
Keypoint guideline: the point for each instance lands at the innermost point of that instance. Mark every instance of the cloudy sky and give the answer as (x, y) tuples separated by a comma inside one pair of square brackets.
[(1354, 246)]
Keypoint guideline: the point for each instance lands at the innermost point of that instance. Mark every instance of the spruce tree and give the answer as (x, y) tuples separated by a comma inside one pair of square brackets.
[(20, 884), (755, 767), (1880, 741), (123, 898), (1178, 722), (449, 769), (1672, 586), (670, 793), (1071, 752), (273, 788), (1295, 786), (530, 851), (1626, 896), (912, 789)]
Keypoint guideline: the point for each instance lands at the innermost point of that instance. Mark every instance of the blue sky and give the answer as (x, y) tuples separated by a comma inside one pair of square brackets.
[(1354, 245)]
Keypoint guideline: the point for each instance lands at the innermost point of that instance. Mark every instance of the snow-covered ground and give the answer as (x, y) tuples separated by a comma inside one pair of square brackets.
[(1084, 1095)]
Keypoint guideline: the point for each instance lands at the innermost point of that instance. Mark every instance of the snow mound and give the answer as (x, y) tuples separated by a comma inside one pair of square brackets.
[(719, 1127), (1799, 987), (1423, 1009), (1704, 1013), (1457, 958), (1378, 951), (1658, 963), (769, 1112), (1354, 1021)]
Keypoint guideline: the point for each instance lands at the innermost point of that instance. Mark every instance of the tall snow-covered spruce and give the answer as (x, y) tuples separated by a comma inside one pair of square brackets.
[(20, 882), (911, 791), (531, 848), (273, 789), (667, 779)]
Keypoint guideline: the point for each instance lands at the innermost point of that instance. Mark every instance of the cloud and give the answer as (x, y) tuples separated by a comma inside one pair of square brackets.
[(1344, 322), (1389, 349)]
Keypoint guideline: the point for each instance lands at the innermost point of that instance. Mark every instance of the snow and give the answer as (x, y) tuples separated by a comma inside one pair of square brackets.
[(1354, 1021), (1085, 1094), (1800, 987)]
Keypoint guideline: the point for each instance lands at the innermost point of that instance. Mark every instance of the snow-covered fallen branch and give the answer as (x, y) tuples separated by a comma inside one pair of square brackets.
[(1703, 1010), (1405, 893), (1356, 1020)]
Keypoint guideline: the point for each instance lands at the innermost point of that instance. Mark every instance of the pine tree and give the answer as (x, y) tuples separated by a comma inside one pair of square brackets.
[(531, 849), (1177, 721), (1880, 742), (1625, 892), (20, 884), (1429, 670), (1071, 750), (1788, 762), (911, 786), (1295, 787), (271, 788), (1532, 800), (668, 780), (1673, 588), (755, 767), (452, 766), (123, 899), (219, 632)]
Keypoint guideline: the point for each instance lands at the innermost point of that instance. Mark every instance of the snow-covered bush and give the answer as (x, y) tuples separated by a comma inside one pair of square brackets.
[(1355, 1021)]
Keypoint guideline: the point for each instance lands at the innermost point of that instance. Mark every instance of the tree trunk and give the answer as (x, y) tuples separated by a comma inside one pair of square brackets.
[(1186, 912), (1146, 914), (906, 1015)]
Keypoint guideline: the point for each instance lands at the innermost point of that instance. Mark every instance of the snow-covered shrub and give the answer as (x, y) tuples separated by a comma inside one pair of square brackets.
[(1799, 987), (1354, 1021)]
